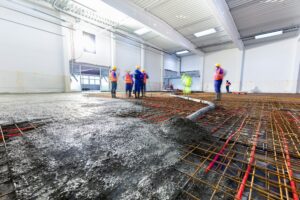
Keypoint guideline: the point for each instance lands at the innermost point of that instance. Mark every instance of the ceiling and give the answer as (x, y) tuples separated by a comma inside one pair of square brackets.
[(188, 17), (253, 17)]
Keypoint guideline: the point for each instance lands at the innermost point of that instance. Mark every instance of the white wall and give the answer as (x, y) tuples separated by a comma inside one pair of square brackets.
[(31, 54), (192, 63), (271, 67), (267, 68), (153, 64), (35, 54), (171, 62), (230, 60), (103, 45), (127, 57)]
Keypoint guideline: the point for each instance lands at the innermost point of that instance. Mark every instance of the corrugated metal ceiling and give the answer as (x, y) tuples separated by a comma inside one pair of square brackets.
[(187, 17), (257, 16)]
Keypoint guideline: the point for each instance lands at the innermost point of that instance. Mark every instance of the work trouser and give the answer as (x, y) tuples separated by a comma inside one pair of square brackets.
[(137, 88), (143, 89), (218, 84), (113, 89), (128, 89)]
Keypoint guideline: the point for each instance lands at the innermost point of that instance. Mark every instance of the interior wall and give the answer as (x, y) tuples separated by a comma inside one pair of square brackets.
[(127, 57), (103, 45), (31, 53), (153, 65), (271, 67), (231, 60), (171, 62), (192, 63)]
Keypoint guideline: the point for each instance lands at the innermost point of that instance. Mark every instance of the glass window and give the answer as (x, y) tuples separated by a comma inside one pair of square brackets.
[(85, 81)]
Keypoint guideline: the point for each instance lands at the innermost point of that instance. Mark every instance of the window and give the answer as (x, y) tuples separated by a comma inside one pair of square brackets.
[(89, 42)]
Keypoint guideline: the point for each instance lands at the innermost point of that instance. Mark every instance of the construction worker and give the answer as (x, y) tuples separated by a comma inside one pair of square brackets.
[(128, 83), (113, 79), (145, 77), (228, 84), (139, 78), (218, 79)]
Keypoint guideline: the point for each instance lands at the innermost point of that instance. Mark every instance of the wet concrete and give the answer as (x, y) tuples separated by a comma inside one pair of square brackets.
[(89, 150)]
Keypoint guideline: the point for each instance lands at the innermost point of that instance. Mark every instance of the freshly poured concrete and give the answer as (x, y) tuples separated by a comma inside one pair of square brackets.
[(89, 150)]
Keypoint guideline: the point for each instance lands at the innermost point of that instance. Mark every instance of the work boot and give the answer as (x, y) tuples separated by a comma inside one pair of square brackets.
[(220, 96), (216, 97)]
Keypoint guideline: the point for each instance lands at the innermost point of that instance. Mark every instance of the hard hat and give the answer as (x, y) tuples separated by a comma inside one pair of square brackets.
[(143, 70), (114, 68), (138, 67), (218, 65)]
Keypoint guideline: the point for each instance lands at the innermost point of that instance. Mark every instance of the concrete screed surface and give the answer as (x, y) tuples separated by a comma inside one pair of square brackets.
[(89, 152)]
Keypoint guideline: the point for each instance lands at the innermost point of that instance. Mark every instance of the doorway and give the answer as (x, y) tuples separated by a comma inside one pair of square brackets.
[(87, 77)]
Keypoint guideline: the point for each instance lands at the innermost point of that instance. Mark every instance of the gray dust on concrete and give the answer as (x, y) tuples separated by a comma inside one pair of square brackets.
[(89, 150)]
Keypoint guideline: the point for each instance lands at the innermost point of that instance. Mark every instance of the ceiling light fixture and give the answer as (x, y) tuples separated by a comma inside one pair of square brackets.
[(206, 32), (269, 34), (141, 31), (182, 52)]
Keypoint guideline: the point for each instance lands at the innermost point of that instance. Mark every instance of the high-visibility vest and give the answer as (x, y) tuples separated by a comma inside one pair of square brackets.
[(228, 83), (128, 78), (113, 76), (145, 77), (219, 74)]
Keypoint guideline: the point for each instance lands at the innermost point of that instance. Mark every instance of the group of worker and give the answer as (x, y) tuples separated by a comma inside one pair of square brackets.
[(218, 78), (138, 79)]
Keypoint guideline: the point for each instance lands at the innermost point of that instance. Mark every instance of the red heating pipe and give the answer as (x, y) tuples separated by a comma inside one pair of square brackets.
[(289, 166), (252, 154), (224, 146), (16, 129)]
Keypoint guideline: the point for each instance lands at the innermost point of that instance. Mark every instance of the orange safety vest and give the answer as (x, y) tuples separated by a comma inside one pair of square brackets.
[(219, 74), (128, 78), (145, 77), (113, 77)]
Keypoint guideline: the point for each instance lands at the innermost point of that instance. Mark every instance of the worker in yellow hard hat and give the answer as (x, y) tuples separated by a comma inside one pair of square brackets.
[(114, 80), (145, 77), (138, 77), (218, 79)]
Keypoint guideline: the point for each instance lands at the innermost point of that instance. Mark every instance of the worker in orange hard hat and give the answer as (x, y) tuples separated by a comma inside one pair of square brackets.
[(145, 77), (218, 79), (128, 83), (113, 79)]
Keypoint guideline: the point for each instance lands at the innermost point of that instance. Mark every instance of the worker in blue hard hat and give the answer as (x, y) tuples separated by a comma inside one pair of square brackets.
[(138, 76), (114, 80), (218, 79)]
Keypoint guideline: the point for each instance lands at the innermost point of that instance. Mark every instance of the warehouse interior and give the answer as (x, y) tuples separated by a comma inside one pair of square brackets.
[(63, 136)]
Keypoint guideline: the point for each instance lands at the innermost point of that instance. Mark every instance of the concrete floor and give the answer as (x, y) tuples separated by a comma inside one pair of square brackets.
[(89, 150)]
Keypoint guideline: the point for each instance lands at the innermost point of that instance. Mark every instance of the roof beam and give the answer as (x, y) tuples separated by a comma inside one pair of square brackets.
[(222, 13), (153, 22)]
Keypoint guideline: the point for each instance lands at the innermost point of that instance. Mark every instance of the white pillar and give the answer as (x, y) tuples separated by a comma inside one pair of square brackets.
[(142, 56), (112, 49), (162, 70), (66, 58)]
